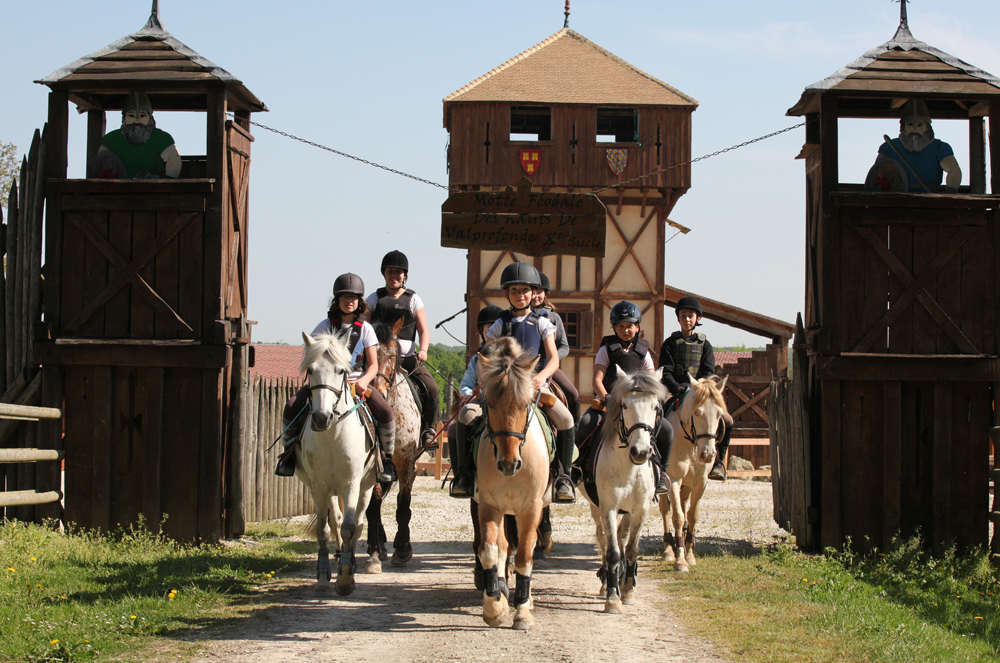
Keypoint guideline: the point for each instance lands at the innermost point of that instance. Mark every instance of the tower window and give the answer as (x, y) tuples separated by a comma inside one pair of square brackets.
[(530, 123), (617, 125)]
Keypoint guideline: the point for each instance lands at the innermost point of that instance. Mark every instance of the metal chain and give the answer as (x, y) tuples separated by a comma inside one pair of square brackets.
[(349, 156), (442, 186), (701, 158)]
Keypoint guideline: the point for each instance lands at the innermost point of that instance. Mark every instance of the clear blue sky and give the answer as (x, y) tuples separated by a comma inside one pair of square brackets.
[(368, 79)]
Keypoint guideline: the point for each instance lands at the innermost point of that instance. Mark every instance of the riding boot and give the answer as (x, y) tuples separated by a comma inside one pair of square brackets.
[(461, 483), (290, 441), (718, 472), (387, 440), (574, 410), (565, 444), (664, 442)]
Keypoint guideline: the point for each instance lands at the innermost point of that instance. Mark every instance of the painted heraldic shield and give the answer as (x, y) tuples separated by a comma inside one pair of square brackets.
[(617, 159), (531, 159)]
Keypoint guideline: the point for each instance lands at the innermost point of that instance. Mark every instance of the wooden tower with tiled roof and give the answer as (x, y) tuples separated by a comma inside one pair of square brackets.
[(145, 332), (573, 117), (901, 327)]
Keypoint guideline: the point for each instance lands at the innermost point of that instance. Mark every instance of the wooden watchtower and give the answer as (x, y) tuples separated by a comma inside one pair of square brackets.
[(573, 117), (145, 332), (900, 314)]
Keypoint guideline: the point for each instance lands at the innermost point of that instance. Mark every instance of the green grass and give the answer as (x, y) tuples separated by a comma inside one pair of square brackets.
[(84, 596), (905, 605)]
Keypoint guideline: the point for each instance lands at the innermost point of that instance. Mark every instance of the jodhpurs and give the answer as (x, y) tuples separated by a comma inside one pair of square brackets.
[(568, 388)]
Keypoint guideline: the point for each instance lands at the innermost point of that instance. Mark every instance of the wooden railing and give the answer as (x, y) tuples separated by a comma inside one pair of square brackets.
[(12, 498)]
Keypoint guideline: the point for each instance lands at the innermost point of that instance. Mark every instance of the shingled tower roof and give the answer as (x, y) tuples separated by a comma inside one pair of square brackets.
[(151, 59), (567, 68), (903, 67)]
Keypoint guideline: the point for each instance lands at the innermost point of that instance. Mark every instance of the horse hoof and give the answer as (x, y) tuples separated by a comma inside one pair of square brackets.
[(547, 542), (345, 581), (691, 560), (401, 557), (522, 618), (613, 606), (373, 565), (682, 568), (628, 598), (538, 555), (668, 556), (494, 611)]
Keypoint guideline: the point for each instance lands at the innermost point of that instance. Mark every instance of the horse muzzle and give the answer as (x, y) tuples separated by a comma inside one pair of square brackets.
[(638, 457), (509, 468), (321, 421), (706, 457)]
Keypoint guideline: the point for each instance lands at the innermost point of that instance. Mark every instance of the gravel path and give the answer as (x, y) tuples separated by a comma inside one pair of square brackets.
[(430, 610)]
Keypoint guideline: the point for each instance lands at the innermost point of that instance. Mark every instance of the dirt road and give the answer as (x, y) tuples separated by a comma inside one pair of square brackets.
[(430, 610)]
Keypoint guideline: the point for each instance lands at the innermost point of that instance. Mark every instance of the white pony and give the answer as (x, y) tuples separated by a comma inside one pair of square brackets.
[(696, 425), (624, 478), (337, 457)]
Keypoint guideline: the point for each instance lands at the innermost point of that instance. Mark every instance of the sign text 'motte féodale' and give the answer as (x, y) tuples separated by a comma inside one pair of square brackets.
[(532, 223)]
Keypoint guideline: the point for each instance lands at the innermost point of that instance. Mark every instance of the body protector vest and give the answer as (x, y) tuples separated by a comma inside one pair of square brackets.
[(389, 309), (352, 340), (687, 354), (629, 361), (526, 333)]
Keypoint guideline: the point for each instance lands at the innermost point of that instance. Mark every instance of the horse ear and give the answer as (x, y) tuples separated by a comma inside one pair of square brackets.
[(534, 362), (659, 374), (307, 339), (396, 326), (692, 371), (722, 385), (619, 373)]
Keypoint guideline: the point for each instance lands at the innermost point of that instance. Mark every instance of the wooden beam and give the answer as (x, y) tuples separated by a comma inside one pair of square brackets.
[(910, 368), (111, 353)]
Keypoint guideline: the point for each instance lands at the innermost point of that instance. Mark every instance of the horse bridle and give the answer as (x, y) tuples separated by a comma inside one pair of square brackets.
[(690, 435), (338, 393), (530, 407), (625, 434)]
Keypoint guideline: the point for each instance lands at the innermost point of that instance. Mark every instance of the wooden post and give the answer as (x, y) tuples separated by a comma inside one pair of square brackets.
[(977, 155), (96, 128), (50, 437), (995, 148), (56, 165), (236, 515)]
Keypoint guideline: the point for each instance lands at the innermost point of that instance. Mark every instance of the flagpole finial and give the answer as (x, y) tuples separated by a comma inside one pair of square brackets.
[(566, 15), (902, 14), (154, 24)]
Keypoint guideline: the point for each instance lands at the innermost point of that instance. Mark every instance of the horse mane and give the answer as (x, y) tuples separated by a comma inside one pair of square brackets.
[(333, 346), (642, 381), (383, 332), (703, 390), (505, 374)]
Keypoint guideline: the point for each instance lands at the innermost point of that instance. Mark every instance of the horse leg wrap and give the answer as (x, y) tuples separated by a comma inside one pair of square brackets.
[(522, 591), (492, 581), (323, 562), (632, 572), (612, 582), (347, 557), (668, 540)]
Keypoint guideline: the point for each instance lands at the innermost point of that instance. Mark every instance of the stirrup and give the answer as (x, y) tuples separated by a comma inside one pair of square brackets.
[(286, 463), (461, 486), (388, 471), (718, 472), (662, 483), (563, 491)]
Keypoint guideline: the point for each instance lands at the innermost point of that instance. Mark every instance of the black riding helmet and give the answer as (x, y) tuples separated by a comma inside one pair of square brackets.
[(395, 259), (689, 302), (544, 280), (625, 312), (349, 284), (520, 273), (488, 315)]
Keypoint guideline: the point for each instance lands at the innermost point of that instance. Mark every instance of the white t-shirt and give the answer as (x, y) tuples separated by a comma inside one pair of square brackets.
[(366, 340), (603, 361), (406, 348), (545, 327)]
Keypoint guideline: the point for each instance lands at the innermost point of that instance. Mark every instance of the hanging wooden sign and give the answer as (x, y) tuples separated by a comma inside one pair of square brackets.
[(520, 220)]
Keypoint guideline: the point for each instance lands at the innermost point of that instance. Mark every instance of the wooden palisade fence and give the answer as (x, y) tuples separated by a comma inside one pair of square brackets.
[(20, 309), (266, 496)]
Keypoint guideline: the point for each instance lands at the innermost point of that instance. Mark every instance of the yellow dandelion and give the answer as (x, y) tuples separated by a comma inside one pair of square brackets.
[(11, 569), (54, 642), (978, 617), (33, 559), (958, 597), (63, 598), (38, 586), (940, 568), (131, 616), (805, 580)]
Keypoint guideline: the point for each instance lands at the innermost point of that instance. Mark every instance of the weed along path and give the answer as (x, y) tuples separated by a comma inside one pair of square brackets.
[(430, 610)]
